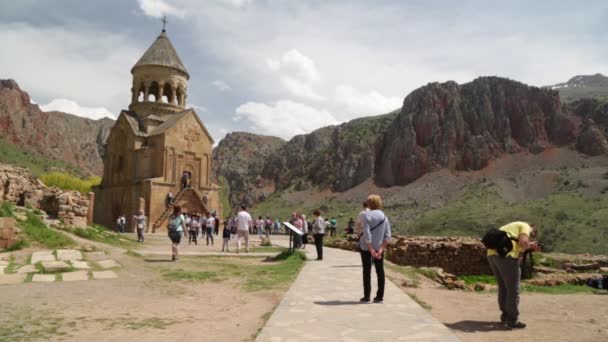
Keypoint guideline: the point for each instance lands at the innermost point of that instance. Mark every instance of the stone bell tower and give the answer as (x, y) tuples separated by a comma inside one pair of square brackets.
[(154, 144)]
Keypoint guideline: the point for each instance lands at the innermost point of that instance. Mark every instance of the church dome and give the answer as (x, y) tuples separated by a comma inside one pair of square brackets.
[(162, 53)]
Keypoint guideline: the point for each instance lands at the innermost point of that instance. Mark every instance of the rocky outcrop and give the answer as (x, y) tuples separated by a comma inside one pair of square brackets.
[(591, 140), (463, 127), (9, 233), (18, 186), (75, 140), (240, 158)]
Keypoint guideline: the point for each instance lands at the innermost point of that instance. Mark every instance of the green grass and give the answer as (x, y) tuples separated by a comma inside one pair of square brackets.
[(269, 274), (473, 279), (38, 165), (101, 234), (38, 232), (29, 324), (558, 217), (67, 181), (6, 210)]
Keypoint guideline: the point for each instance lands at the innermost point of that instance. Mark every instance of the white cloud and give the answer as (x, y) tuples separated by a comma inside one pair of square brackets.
[(236, 3), (86, 66), (284, 118), (159, 8), (200, 109), (221, 85), (357, 102), (71, 107), (297, 73)]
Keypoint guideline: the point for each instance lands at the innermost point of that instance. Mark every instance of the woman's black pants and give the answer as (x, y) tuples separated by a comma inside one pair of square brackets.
[(366, 261)]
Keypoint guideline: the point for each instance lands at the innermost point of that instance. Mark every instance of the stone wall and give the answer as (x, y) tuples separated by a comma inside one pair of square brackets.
[(8, 232), (456, 255)]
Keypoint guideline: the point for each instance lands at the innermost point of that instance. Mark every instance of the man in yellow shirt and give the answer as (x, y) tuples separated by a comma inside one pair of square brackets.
[(508, 273)]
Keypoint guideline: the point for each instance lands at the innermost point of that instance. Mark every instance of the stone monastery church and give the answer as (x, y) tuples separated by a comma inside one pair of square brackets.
[(154, 146)]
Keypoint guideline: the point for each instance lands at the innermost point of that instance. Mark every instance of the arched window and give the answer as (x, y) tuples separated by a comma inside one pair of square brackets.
[(153, 92), (141, 92), (167, 93)]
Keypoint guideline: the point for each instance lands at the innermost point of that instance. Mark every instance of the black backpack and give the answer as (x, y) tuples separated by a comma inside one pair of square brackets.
[(498, 240)]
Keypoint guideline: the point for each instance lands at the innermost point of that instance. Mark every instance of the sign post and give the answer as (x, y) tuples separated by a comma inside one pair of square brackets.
[(292, 230)]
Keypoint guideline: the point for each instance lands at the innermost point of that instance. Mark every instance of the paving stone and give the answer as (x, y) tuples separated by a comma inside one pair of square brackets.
[(42, 256), (309, 298), (27, 269), (75, 276), (43, 278), (81, 265), (68, 254), (9, 279), (55, 266), (105, 264), (92, 256), (104, 275)]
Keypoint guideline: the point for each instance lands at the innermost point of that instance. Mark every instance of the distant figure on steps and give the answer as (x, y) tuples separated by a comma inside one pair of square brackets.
[(140, 225)]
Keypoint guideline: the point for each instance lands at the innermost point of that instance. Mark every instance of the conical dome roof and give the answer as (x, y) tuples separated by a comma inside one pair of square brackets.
[(162, 53)]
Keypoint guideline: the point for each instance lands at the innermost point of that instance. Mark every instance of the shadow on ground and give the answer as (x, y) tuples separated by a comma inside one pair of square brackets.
[(338, 302), (475, 326)]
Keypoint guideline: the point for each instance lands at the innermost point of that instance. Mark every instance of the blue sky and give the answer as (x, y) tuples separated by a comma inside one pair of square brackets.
[(288, 67)]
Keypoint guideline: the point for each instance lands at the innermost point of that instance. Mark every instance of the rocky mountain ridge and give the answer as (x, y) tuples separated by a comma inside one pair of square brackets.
[(441, 125), (582, 86), (55, 135)]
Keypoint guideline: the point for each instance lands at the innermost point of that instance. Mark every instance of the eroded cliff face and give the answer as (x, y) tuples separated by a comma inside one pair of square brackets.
[(463, 127), (55, 135)]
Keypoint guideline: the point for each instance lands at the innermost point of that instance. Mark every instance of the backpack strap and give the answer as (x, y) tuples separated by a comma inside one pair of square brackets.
[(378, 225)]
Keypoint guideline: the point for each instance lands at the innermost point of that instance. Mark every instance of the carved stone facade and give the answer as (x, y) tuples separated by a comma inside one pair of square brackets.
[(153, 143)]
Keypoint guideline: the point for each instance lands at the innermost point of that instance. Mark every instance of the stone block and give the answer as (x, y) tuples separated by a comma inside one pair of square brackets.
[(43, 278), (105, 264), (104, 275), (55, 266), (81, 211), (2, 269), (27, 269), (65, 208), (81, 265), (42, 256), (99, 255), (68, 254), (75, 276), (7, 222), (79, 222), (10, 279)]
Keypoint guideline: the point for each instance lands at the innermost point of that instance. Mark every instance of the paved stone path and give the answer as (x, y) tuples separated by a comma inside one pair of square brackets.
[(68, 266), (322, 305)]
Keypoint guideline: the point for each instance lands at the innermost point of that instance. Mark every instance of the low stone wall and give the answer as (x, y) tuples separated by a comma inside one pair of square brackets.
[(8, 232), (456, 255)]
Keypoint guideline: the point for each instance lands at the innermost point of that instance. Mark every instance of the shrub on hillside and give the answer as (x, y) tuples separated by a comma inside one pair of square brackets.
[(66, 181)]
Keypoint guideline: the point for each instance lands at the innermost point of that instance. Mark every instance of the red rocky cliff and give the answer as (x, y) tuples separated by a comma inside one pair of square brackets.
[(463, 127)]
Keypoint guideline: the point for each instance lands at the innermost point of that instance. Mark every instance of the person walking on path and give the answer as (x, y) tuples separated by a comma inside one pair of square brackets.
[(243, 224), (376, 236), (169, 199), (216, 229), (318, 230), (268, 227), (176, 230), (508, 273), (140, 225), (305, 231), (297, 238), (277, 226), (226, 237), (259, 226), (210, 226), (334, 226), (195, 225)]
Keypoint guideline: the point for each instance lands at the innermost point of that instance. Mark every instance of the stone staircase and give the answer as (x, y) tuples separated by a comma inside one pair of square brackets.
[(176, 199)]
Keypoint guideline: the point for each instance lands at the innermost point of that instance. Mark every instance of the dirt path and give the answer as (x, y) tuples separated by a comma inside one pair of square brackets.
[(140, 305), (563, 317)]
